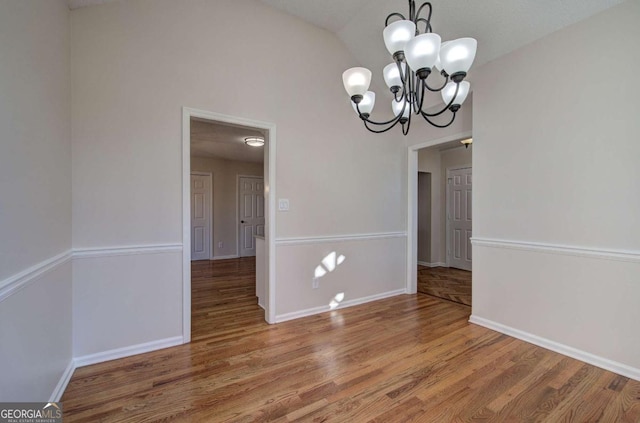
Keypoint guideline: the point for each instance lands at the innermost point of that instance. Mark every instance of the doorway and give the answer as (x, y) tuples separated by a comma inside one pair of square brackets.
[(444, 251), (439, 227), (224, 246)]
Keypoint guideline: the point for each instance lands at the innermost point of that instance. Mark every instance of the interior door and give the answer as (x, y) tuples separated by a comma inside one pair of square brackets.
[(200, 217), (459, 218), (251, 208)]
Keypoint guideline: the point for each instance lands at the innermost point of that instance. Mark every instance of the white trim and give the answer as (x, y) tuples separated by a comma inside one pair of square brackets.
[(125, 250), (210, 175), (436, 264), (63, 382), (349, 303), (186, 224), (232, 256), (17, 282), (270, 212), (568, 250), (114, 354), (412, 206), (339, 238), (604, 363)]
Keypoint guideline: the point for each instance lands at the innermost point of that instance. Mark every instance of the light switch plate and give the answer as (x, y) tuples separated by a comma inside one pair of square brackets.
[(283, 204)]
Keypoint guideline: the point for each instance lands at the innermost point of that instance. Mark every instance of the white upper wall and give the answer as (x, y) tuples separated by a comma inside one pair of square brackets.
[(136, 63), (35, 149), (555, 130), (35, 198)]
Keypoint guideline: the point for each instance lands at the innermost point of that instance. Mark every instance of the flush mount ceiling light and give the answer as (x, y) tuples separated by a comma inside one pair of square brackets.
[(254, 141), (415, 55), (467, 142)]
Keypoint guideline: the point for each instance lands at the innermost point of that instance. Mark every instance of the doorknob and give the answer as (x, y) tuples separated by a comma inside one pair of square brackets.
[(242, 221)]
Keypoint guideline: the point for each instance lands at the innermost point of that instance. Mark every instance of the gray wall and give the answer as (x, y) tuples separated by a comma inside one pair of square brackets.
[(35, 198), (556, 173)]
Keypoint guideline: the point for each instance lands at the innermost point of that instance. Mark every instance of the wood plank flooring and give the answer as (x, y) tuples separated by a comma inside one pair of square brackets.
[(406, 358), (445, 282)]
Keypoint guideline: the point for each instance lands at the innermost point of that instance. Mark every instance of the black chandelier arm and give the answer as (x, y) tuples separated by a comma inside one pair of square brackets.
[(405, 129), (403, 75), (379, 131), (453, 117), (394, 120), (425, 114), (435, 90), (427, 20), (420, 100), (400, 15), (427, 25)]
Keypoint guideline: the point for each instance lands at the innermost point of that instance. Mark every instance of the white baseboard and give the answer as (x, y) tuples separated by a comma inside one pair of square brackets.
[(348, 303), (114, 354), (436, 264), (233, 256), (63, 382), (603, 363)]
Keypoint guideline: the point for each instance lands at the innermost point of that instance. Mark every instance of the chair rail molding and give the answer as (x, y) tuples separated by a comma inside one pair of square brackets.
[(339, 238), (569, 250), (17, 282), (125, 250)]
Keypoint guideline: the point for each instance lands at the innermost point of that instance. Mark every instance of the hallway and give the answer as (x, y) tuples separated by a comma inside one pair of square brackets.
[(446, 283)]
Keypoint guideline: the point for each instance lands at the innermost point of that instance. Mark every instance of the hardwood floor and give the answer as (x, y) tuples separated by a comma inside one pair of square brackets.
[(445, 282), (406, 358)]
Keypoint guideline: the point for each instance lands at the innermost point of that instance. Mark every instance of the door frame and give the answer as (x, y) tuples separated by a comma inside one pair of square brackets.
[(210, 175), (447, 226), (270, 212), (238, 208), (411, 286)]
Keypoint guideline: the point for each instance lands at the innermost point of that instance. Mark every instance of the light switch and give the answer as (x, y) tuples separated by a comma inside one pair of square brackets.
[(283, 204)]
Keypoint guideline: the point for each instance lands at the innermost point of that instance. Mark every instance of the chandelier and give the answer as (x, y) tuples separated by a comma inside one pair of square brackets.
[(415, 55)]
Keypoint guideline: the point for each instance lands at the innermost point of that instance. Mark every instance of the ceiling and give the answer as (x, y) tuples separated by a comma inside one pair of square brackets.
[(499, 26), (224, 141)]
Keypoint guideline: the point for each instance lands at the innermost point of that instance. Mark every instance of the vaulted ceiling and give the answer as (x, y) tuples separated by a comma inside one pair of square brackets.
[(499, 26)]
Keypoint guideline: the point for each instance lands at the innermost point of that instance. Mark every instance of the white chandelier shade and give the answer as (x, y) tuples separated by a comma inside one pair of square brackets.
[(458, 55), (422, 51), (397, 108), (397, 34), (391, 74), (356, 81), (450, 90), (417, 51), (367, 103)]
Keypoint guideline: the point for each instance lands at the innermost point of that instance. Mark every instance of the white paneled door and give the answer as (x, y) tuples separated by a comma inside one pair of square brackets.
[(251, 213), (200, 216), (459, 218)]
